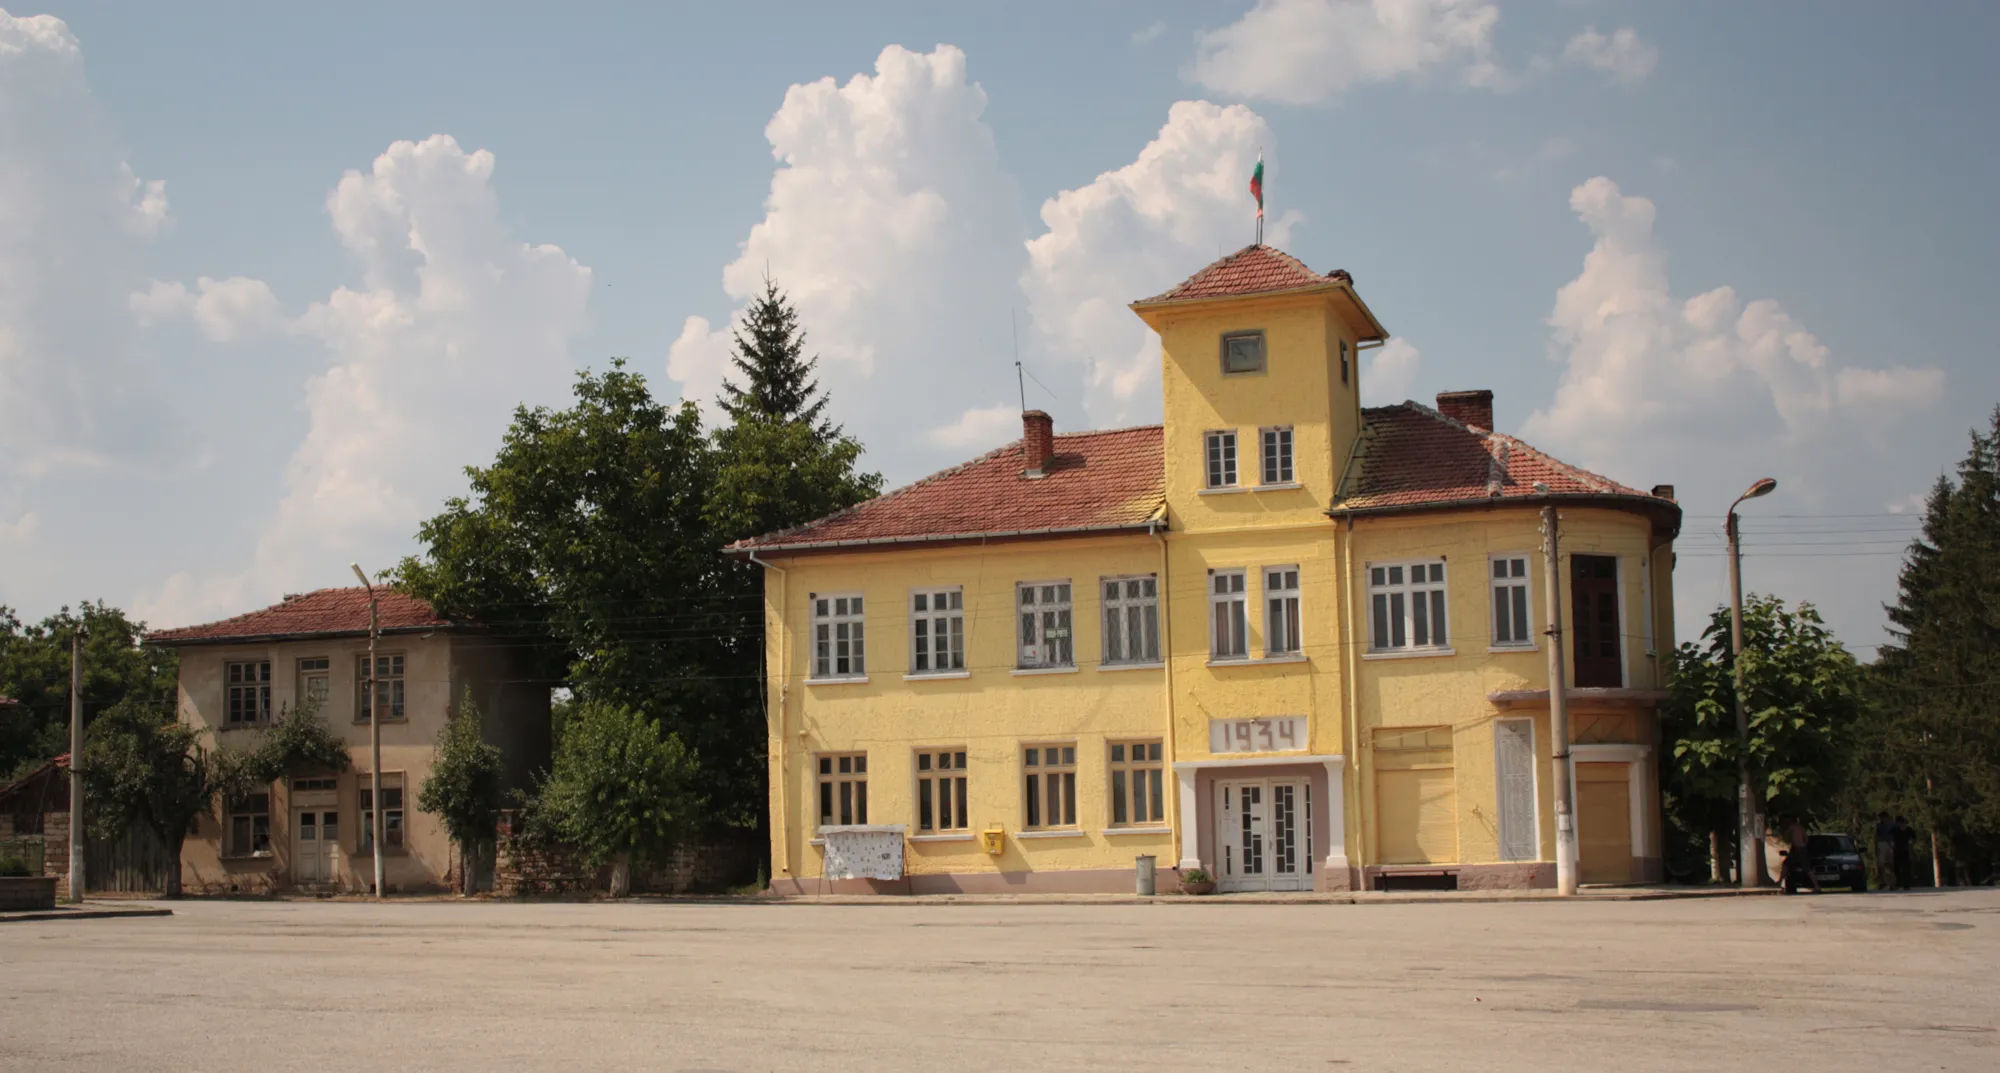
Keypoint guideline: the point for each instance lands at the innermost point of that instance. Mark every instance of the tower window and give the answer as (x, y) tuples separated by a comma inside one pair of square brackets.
[(1343, 361), (1243, 352)]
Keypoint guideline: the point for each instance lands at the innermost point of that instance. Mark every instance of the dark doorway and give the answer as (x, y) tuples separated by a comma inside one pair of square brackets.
[(1593, 586)]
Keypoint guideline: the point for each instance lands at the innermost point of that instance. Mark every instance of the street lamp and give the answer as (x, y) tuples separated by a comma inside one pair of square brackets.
[(375, 731), (1750, 848)]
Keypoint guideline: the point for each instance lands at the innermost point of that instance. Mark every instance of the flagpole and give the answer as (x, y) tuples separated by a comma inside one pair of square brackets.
[(1257, 191)]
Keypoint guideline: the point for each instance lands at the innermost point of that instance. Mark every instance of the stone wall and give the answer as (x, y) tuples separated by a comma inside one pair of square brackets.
[(524, 869), (55, 851)]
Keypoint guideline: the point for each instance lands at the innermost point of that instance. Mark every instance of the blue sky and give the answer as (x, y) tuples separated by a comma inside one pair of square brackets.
[(191, 454)]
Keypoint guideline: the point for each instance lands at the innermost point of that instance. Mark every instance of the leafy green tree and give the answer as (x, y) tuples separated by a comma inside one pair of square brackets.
[(298, 742), (1930, 747), (34, 669), (140, 766), (463, 788), (585, 543), (620, 788), (1802, 692)]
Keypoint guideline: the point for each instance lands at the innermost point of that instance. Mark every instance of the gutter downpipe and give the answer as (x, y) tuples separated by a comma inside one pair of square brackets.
[(784, 787), (1358, 862), (1167, 657)]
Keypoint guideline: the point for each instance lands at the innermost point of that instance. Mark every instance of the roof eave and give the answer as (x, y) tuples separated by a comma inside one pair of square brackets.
[(1146, 306), (309, 635), (868, 543), (1666, 514)]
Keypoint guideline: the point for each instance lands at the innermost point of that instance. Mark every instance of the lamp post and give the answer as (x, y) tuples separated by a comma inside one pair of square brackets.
[(375, 732), (1750, 847)]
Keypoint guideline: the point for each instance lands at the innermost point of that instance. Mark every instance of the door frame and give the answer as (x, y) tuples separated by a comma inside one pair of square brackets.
[(1534, 779), (1302, 832), (1618, 583), (1636, 758)]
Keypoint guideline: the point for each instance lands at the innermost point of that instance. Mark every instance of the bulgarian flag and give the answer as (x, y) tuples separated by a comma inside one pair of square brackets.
[(1257, 185)]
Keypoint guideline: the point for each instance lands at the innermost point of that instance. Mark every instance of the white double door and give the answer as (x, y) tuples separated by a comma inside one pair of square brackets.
[(314, 832), (1263, 834)]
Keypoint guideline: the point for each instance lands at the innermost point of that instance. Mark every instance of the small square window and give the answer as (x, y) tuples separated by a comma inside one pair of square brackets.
[(1243, 352)]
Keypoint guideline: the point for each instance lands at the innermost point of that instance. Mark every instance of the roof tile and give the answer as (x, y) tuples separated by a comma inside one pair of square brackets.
[(1414, 456), (1256, 269), (317, 613), (1097, 480)]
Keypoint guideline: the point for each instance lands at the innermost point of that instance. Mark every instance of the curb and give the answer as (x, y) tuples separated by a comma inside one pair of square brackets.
[(1360, 898), (82, 914)]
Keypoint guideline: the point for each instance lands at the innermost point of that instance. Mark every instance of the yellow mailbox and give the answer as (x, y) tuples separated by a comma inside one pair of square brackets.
[(992, 839)]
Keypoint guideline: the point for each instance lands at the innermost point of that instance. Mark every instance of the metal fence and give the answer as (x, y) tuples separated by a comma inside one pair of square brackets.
[(25, 847)]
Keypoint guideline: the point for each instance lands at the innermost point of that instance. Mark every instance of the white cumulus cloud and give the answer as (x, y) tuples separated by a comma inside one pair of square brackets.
[(455, 321), (1387, 373), (1134, 232), (894, 231), (226, 310), (1620, 56), (74, 390), (980, 428), (1312, 51)]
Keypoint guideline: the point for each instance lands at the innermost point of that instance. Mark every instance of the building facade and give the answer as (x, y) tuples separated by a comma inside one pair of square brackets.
[(311, 830), (1290, 640)]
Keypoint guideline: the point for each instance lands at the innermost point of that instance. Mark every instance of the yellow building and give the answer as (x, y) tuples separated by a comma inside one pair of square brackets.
[(1282, 637)]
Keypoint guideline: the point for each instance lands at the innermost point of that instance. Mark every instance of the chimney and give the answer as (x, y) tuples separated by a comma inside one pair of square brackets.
[(1038, 442), (1473, 408), (1664, 491)]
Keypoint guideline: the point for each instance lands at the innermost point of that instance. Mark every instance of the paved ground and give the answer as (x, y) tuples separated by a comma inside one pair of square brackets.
[(1840, 982)]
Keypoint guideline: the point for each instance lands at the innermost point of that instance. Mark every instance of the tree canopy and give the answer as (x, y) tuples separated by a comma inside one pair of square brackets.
[(1930, 747), (463, 788), (34, 670), (621, 787), (140, 766)]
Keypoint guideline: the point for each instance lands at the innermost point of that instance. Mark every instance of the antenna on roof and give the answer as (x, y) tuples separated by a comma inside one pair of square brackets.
[(1014, 326)]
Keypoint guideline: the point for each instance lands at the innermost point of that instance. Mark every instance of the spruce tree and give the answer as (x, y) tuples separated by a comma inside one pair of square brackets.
[(1930, 746), (770, 353)]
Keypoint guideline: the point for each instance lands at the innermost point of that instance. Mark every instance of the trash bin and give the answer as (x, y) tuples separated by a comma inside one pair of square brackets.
[(1147, 874)]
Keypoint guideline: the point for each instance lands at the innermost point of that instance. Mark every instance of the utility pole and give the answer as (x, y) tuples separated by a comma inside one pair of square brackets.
[(374, 733), (1559, 710), (76, 877), (1749, 832)]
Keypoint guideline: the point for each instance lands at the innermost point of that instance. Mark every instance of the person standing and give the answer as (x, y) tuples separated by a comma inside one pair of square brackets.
[(1904, 836), (1885, 852), (1797, 861)]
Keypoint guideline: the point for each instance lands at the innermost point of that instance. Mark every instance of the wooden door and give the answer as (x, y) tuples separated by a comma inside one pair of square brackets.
[(1604, 823), (1594, 623)]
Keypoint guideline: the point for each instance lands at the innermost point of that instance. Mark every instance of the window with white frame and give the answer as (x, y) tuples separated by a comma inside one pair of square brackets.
[(249, 824), (388, 691), (838, 650), (941, 791), (1051, 785), (1229, 615), (937, 631), (1221, 447), (1510, 602), (1045, 624), (392, 811), (843, 789), (1281, 611), (1277, 443), (1137, 784), (1406, 606), (1243, 352), (1132, 619), (249, 693), (315, 682)]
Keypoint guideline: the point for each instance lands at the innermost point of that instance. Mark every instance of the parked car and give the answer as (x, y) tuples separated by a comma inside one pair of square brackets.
[(1835, 861)]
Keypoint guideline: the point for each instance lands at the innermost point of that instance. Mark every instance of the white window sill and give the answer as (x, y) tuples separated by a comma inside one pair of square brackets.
[(1067, 832), (1281, 486), (847, 680), (1113, 831), (1410, 653), (1023, 672), (1230, 661), (1288, 657), (815, 841), (930, 676), (1228, 490), (1130, 666), (1514, 648), (955, 836)]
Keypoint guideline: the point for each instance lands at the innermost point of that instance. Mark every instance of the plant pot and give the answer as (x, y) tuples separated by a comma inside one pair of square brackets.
[(1207, 887)]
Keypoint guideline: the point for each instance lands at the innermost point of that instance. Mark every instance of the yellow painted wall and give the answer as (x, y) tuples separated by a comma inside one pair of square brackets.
[(992, 712), (1437, 689)]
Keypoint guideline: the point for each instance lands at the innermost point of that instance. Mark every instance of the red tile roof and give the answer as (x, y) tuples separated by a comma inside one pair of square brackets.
[(1097, 481), (1414, 458), (1251, 270), (321, 613)]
